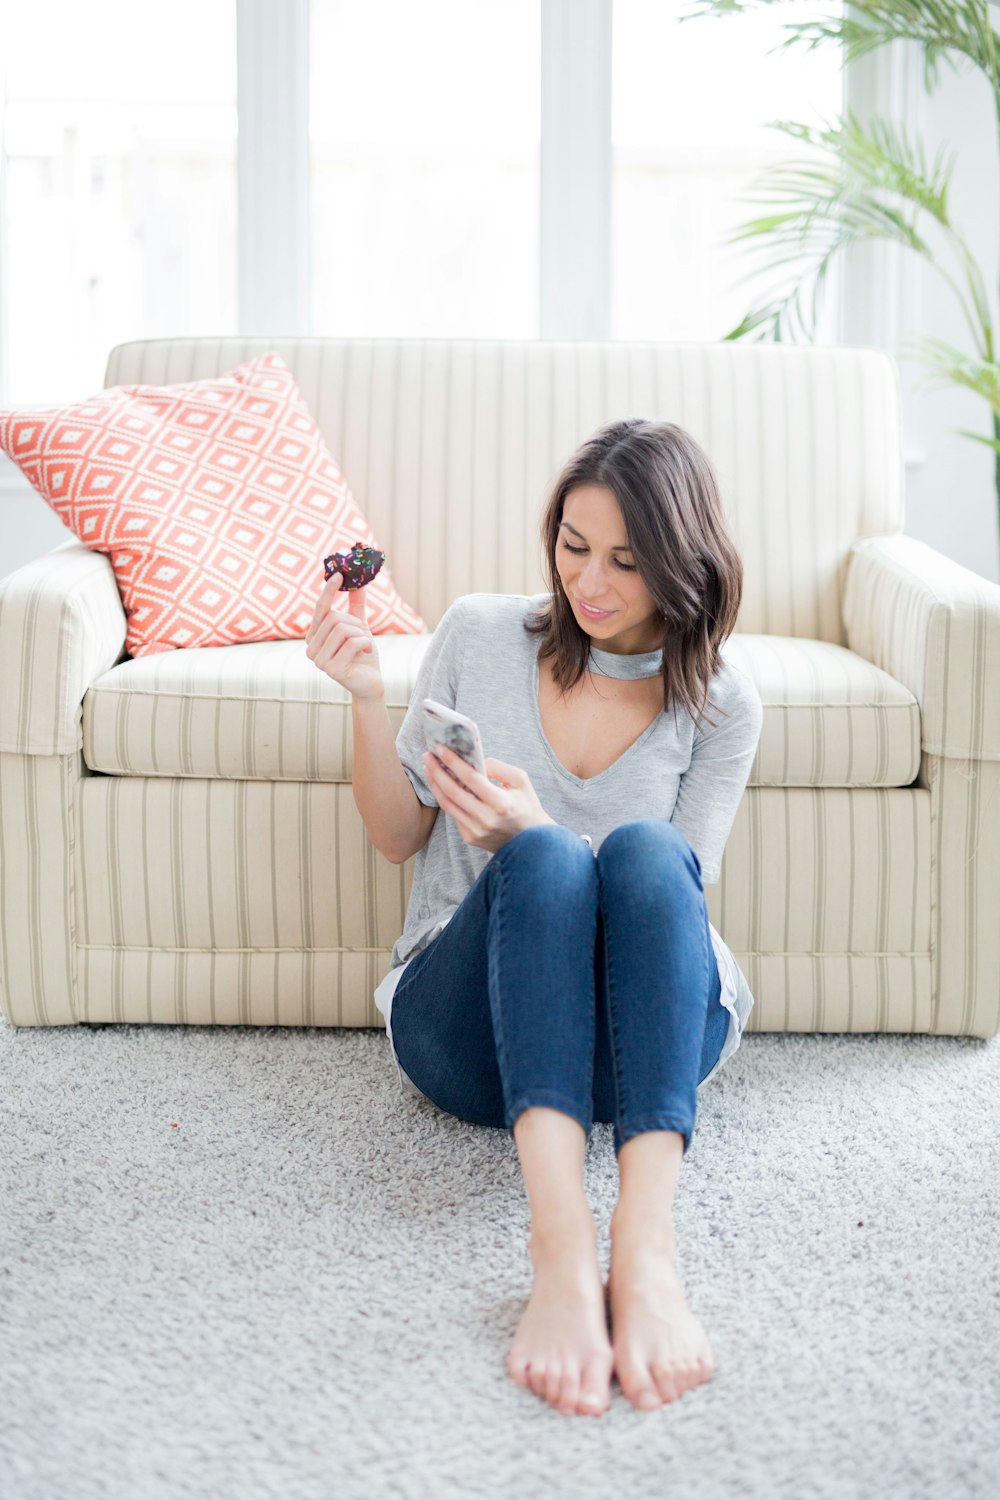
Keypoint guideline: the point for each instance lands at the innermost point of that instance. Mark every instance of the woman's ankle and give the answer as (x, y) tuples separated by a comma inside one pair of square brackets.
[(637, 1224), (563, 1233)]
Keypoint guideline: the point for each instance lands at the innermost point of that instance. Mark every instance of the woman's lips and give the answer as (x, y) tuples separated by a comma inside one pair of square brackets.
[(595, 614)]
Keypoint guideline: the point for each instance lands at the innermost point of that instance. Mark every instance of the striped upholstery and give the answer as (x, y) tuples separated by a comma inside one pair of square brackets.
[(178, 836), (450, 447), (262, 711)]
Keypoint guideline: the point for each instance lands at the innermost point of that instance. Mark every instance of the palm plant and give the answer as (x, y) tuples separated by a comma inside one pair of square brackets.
[(866, 181)]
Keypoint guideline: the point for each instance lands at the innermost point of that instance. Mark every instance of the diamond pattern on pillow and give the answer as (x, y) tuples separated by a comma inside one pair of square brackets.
[(216, 501)]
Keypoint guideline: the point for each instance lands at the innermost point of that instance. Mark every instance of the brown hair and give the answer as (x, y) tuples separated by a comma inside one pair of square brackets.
[(674, 524)]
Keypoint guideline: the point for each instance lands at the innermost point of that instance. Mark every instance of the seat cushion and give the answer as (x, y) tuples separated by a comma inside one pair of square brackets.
[(258, 711), (263, 711), (831, 718)]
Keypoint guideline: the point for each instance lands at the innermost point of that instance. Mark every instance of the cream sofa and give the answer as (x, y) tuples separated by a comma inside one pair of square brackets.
[(178, 837)]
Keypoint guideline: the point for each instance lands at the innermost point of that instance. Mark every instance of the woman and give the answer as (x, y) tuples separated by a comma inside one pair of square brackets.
[(557, 966)]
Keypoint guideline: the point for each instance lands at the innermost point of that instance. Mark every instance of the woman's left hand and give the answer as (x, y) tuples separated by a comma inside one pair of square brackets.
[(486, 815)]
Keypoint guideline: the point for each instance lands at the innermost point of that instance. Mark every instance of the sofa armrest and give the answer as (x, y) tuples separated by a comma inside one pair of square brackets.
[(934, 626), (62, 623)]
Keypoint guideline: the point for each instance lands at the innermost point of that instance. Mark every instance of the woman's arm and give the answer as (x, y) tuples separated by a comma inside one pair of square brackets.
[(398, 823), (712, 788)]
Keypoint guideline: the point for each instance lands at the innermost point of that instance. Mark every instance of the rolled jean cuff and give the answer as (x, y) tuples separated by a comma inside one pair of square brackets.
[(549, 1100), (653, 1122)]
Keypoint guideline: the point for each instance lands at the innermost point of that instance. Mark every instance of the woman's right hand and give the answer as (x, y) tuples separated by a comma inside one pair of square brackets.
[(342, 645)]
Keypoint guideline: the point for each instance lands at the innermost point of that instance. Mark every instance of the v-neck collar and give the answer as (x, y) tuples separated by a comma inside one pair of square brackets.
[(553, 757)]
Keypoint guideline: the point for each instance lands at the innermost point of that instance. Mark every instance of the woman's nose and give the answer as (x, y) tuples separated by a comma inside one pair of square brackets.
[(593, 579)]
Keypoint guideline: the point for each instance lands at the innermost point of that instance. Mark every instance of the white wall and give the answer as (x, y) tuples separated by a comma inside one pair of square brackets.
[(951, 498), (28, 525), (892, 296)]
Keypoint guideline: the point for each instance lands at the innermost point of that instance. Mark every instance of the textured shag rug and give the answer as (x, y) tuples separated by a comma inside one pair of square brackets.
[(239, 1262)]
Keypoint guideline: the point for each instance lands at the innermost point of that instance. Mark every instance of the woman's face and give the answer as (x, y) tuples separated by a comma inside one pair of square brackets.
[(596, 567)]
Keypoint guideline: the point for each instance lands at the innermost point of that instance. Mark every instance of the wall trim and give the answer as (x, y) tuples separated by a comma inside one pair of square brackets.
[(274, 251), (574, 221), (880, 286)]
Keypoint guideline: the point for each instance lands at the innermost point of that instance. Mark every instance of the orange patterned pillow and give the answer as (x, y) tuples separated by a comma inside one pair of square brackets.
[(216, 501)]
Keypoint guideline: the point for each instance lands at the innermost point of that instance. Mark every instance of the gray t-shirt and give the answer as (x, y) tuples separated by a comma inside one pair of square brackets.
[(483, 662)]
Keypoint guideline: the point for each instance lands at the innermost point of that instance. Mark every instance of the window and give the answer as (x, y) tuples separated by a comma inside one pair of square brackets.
[(118, 171), (690, 102), (119, 185), (424, 162)]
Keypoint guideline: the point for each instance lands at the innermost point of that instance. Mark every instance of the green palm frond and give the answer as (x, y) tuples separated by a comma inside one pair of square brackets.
[(874, 182), (877, 155), (787, 314), (941, 27), (951, 366), (863, 182)]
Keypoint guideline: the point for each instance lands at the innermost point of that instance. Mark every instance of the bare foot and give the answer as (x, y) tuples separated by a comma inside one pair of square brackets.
[(660, 1347), (561, 1349)]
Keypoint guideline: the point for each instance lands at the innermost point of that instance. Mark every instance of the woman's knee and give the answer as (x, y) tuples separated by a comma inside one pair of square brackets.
[(549, 860), (546, 845), (652, 836)]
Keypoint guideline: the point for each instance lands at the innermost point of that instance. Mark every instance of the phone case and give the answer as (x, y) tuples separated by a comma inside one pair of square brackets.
[(446, 726)]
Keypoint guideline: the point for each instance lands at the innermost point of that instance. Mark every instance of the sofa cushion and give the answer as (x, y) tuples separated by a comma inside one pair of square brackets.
[(215, 500), (831, 718), (265, 711)]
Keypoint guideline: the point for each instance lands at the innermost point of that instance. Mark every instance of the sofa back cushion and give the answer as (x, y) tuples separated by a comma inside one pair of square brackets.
[(452, 447)]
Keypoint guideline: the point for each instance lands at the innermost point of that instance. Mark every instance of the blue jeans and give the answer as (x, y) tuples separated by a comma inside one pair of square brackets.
[(585, 984)]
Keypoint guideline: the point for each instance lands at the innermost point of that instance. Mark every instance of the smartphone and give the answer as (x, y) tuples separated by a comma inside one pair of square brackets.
[(446, 726)]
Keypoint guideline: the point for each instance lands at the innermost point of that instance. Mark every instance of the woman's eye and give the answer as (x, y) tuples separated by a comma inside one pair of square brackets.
[(579, 551)]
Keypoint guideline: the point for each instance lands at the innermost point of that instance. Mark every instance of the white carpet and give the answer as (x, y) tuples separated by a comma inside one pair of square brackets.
[(239, 1263)]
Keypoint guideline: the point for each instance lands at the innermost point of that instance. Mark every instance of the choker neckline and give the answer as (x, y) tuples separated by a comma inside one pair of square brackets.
[(637, 664)]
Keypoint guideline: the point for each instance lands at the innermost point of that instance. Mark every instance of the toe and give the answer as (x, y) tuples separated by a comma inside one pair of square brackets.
[(569, 1390), (646, 1398), (592, 1404), (536, 1374), (637, 1383), (668, 1380), (517, 1368), (687, 1376), (553, 1380), (595, 1387)]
